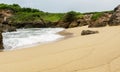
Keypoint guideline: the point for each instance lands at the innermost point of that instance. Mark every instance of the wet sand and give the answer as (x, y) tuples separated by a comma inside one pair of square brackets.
[(91, 53)]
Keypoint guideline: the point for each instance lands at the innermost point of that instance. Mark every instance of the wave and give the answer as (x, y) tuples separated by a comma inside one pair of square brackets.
[(30, 36)]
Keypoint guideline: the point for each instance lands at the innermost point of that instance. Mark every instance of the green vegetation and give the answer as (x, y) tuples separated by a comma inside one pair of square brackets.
[(22, 15), (97, 15), (29, 14), (53, 17), (70, 16)]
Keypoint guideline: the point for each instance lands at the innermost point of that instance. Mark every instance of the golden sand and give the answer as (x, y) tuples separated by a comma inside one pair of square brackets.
[(91, 53)]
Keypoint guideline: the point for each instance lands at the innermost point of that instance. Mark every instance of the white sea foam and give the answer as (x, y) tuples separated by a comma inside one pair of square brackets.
[(25, 37)]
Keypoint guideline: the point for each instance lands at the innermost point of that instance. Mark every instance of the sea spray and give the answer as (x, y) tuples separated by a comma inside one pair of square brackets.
[(30, 36)]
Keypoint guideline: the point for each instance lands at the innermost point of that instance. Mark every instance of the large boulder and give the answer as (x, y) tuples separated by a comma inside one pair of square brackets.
[(115, 18), (88, 32), (1, 40)]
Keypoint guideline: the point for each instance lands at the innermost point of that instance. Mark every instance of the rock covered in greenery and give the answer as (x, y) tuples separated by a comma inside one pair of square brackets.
[(34, 18), (115, 18), (88, 32), (100, 19)]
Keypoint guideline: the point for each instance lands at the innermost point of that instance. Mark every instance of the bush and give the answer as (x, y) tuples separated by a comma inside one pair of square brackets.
[(97, 15), (14, 7), (25, 17), (70, 16), (53, 17)]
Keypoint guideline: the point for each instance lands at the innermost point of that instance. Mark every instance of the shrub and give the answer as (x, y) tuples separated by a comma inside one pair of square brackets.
[(97, 15), (70, 16)]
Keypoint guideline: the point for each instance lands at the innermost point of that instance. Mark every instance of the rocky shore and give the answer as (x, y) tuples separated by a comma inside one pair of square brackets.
[(92, 19), (111, 18), (1, 41)]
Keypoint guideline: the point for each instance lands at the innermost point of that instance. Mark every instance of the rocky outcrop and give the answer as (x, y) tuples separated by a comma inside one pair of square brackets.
[(75, 23), (5, 14), (101, 21), (1, 40), (29, 25), (88, 32), (63, 24), (7, 28), (115, 18)]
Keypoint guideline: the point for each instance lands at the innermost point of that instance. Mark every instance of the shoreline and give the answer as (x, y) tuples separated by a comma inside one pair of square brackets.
[(62, 33), (90, 53)]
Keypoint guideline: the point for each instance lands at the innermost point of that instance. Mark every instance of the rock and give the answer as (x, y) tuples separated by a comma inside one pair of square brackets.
[(29, 25), (97, 24), (101, 22), (1, 41), (115, 18), (82, 22), (88, 32), (7, 28), (63, 24), (5, 14), (73, 24)]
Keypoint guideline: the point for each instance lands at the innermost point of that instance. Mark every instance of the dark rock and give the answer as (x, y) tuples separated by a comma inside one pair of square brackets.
[(1, 41), (29, 25), (51, 24), (7, 28), (63, 24), (115, 18), (88, 32)]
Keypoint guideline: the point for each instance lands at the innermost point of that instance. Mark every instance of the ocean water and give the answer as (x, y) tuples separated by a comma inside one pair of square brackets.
[(30, 36)]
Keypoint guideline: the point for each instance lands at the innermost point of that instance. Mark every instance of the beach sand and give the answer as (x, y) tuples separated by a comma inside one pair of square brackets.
[(91, 53)]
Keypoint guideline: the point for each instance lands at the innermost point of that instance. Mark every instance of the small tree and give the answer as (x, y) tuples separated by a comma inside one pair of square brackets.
[(70, 16)]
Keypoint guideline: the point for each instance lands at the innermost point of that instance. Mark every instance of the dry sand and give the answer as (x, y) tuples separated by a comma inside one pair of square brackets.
[(91, 53)]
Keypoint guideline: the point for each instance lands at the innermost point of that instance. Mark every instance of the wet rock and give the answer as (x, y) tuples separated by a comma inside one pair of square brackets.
[(88, 32), (7, 28), (1, 41)]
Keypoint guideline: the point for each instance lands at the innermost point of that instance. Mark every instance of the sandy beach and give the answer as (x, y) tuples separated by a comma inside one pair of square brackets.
[(91, 53)]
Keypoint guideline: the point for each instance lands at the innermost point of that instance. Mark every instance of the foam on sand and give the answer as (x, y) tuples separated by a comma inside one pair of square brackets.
[(25, 37)]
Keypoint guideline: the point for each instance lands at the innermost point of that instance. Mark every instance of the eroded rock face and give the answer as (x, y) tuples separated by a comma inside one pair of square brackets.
[(115, 18), (63, 24), (7, 28), (1, 41), (5, 14), (102, 21)]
